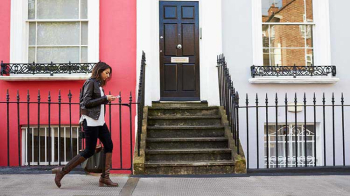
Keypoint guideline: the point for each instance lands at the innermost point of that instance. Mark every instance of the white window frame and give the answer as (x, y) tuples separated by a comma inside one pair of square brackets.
[(321, 43), (54, 134), (19, 36)]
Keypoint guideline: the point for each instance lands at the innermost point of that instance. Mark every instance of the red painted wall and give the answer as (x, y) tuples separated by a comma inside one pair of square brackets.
[(5, 56), (117, 48)]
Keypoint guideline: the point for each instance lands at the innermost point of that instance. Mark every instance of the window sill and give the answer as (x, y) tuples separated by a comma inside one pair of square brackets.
[(308, 80), (45, 77)]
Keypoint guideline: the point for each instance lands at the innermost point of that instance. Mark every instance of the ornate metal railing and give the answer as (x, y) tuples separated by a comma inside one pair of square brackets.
[(45, 68), (141, 100), (292, 71)]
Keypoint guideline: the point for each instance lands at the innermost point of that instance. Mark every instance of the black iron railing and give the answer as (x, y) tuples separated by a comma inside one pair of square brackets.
[(45, 68), (298, 132), (294, 71), (141, 100), (228, 98), (57, 140)]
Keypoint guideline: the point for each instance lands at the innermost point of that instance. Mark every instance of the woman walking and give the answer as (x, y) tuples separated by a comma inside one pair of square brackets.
[(92, 105)]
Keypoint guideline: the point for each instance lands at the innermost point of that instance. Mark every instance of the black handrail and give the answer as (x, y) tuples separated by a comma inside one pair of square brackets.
[(141, 100), (45, 68), (229, 98)]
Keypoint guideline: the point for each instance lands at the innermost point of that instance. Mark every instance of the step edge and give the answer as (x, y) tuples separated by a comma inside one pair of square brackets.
[(183, 117), (185, 127), (188, 163), (188, 151), (183, 139)]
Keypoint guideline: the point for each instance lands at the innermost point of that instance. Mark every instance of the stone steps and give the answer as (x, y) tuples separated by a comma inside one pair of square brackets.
[(212, 154), (189, 167), (184, 120), (181, 143), (183, 111), (179, 104), (185, 131), (186, 138)]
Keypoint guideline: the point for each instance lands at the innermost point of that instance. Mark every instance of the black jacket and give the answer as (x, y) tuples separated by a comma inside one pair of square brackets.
[(91, 99)]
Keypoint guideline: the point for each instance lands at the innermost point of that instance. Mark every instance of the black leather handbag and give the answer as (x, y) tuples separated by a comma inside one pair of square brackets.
[(96, 163)]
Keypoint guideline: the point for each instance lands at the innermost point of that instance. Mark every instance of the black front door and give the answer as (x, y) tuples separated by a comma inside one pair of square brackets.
[(179, 50)]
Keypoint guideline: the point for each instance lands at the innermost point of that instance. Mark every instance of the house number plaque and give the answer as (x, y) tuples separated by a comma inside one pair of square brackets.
[(180, 59)]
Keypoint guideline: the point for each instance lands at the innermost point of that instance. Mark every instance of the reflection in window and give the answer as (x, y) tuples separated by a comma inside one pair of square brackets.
[(287, 32), (57, 31)]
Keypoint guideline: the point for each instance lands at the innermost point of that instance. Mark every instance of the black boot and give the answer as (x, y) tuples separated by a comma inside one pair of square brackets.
[(104, 179), (61, 171)]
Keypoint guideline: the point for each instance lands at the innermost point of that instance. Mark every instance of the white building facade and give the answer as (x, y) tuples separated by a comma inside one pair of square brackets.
[(267, 33)]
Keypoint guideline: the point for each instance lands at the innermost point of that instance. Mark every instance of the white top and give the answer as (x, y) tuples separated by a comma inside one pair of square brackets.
[(92, 122)]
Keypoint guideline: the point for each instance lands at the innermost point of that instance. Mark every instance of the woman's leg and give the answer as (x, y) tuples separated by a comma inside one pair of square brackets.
[(91, 134), (105, 137)]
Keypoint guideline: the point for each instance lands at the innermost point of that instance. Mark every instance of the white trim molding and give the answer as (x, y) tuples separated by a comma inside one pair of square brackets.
[(308, 80), (45, 77)]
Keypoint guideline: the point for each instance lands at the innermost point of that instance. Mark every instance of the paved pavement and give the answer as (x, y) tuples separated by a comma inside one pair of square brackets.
[(257, 185)]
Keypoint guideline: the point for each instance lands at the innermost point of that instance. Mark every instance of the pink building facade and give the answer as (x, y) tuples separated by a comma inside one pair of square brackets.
[(113, 40)]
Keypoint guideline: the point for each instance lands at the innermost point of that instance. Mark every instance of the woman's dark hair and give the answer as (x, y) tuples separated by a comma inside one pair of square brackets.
[(98, 69)]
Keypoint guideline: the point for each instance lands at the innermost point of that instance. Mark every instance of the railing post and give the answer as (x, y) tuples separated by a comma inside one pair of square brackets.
[(130, 111), (38, 138), (69, 68), (28, 129), (51, 73), (237, 129), (8, 126), (342, 122), (257, 129), (120, 131), (2, 68), (70, 123), (59, 127), (19, 131), (252, 71), (49, 120)]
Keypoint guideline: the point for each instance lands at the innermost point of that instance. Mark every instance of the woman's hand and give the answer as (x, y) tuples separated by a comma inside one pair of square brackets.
[(112, 97)]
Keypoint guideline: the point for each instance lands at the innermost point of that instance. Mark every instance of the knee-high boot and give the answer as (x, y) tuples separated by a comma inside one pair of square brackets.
[(61, 171), (104, 179)]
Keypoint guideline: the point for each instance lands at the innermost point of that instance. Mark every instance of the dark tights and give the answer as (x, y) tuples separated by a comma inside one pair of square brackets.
[(91, 135)]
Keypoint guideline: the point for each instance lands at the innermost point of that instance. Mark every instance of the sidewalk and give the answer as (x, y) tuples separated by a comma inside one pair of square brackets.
[(81, 184)]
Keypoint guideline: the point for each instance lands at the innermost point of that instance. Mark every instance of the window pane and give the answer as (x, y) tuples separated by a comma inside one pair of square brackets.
[(31, 9), (32, 33), (84, 33), (83, 9), (265, 35), (283, 10), (31, 55), (309, 11), (309, 57), (84, 54), (58, 33), (308, 35), (58, 9), (286, 57), (266, 57), (288, 35), (58, 55)]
